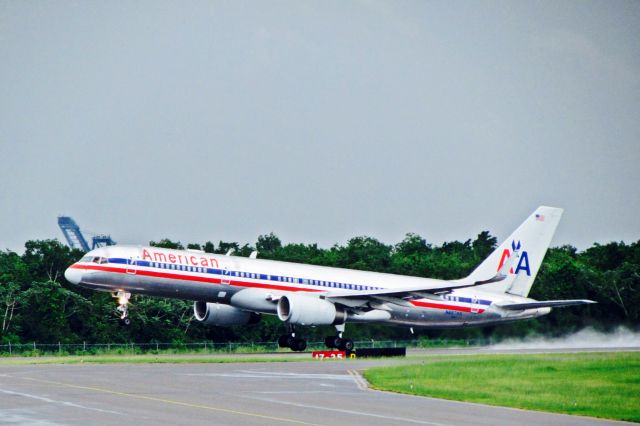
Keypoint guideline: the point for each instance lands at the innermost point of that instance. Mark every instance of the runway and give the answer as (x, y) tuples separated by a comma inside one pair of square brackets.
[(306, 393)]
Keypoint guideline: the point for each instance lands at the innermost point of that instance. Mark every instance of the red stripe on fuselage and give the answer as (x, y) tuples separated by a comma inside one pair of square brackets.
[(443, 306)]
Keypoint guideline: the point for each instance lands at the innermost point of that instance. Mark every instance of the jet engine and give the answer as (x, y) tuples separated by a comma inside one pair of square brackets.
[(223, 315), (308, 310)]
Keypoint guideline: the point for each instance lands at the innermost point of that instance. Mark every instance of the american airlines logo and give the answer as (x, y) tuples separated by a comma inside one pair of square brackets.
[(193, 260), (523, 263)]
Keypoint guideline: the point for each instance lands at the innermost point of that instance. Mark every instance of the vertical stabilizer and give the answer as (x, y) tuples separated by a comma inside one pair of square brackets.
[(530, 241)]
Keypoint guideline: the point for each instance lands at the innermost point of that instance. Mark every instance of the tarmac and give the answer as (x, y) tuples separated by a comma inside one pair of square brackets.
[(330, 392)]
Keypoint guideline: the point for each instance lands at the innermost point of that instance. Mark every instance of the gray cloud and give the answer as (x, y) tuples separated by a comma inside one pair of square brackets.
[(318, 121)]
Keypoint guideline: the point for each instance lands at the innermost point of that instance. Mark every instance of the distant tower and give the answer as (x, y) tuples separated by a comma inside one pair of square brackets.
[(102, 240), (76, 240), (72, 233)]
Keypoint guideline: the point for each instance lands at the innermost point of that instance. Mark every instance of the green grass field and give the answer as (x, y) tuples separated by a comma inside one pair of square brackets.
[(589, 384)]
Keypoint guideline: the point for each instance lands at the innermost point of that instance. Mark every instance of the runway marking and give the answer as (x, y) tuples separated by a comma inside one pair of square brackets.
[(53, 401), (360, 381), (315, 392), (264, 375), (353, 412), (169, 401), (15, 417)]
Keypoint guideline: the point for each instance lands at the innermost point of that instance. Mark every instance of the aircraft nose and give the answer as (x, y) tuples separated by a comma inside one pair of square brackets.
[(73, 275)]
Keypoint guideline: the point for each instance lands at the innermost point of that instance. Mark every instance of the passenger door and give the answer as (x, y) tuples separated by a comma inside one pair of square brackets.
[(132, 264), (475, 305)]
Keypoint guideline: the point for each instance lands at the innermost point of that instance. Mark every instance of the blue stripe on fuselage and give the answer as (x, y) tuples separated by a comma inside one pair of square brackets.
[(274, 278)]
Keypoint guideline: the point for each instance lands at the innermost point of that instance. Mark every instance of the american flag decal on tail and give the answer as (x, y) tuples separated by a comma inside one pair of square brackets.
[(540, 217)]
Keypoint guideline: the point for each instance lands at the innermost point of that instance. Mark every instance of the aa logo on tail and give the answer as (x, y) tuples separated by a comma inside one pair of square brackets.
[(523, 262)]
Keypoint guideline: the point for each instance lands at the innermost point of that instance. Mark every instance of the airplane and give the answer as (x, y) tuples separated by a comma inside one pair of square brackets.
[(229, 290)]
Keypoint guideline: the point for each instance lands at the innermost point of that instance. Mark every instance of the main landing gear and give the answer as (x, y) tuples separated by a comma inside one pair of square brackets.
[(290, 340), (123, 305), (339, 342)]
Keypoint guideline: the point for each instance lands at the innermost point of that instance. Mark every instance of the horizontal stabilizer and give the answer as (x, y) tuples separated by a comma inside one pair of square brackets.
[(545, 304)]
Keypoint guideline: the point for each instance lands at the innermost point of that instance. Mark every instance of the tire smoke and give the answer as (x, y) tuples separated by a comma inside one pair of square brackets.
[(621, 337)]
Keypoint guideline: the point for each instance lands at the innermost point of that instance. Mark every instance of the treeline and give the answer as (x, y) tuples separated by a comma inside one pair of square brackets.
[(38, 305)]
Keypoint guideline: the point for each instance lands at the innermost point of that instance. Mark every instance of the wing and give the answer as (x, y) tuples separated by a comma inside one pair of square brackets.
[(399, 296), (402, 296)]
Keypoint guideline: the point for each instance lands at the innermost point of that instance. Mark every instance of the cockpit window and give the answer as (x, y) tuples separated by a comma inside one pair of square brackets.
[(95, 259)]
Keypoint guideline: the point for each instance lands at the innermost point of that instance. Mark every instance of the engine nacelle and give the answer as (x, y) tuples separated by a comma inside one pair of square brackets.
[(308, 310), (223, 315)]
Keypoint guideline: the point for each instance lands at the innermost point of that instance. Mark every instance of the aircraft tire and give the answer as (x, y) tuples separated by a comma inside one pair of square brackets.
[(291, 341), (329, 342), (283, 341), (298, 345), (337, 342), (347, 344), (126, 321)]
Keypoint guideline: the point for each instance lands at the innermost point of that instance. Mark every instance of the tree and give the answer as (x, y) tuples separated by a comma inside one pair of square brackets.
[(13, 278), (50, 311), (167, 243), (484, 245), (365, 253), (48, 259), (268, 245), (209, 247), (224, 247), (409, 257), (413, 245)]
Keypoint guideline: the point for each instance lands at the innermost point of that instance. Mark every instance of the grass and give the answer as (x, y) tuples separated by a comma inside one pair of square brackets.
[(589, 384)]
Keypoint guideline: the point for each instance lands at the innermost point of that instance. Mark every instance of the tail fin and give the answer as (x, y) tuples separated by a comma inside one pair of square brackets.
[(531, 241)]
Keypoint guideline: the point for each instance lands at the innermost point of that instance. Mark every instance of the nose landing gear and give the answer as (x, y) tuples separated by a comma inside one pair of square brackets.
[(123, 305)]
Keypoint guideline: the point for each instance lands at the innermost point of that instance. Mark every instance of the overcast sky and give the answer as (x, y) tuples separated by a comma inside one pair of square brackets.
[(318, 121)]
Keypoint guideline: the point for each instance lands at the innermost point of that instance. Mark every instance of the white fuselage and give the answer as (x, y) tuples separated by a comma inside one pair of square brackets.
[(254, 284)]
